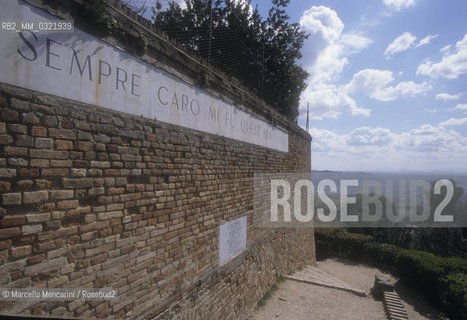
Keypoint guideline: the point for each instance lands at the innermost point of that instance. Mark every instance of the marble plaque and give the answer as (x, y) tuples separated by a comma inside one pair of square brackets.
[(232, 239)]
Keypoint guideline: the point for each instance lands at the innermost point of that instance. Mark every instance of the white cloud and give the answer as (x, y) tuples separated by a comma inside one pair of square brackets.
[(330, 101), (399, 4), (354, 41), (453, 122), (369, 79), (432, 141), (426, 147), (445, 48), (451, 66), (375, 82), (327, 141), (366, 136), (325, 54), (461, 107), (322, 54), (408, 88), (324, 21), (401, 43), (446, 96), (426, 40)]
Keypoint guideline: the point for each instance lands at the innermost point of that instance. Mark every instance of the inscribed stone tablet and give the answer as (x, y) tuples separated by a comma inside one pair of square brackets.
[(232, 239)]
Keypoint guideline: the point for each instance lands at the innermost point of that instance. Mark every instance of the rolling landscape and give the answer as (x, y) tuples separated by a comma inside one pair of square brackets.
[(318, 175)]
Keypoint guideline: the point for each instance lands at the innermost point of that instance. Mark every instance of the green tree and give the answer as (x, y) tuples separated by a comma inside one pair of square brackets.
[(262, 54), (445, 241)]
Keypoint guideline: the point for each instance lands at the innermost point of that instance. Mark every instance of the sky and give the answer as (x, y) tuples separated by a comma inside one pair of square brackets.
[(388, 83)]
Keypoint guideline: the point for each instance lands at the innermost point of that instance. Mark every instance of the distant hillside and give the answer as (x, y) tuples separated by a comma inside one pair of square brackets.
[(382, 177)]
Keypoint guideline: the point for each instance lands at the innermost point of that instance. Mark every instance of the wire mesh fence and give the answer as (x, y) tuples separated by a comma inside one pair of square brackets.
[(220, 46)]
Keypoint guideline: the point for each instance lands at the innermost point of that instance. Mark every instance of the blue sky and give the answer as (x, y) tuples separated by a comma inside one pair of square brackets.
[(388, 83)]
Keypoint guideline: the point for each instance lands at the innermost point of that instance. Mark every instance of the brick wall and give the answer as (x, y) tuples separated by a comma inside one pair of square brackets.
[(95, 198)]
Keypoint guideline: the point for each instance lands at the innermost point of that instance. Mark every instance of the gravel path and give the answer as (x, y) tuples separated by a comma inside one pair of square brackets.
[(300, 301)]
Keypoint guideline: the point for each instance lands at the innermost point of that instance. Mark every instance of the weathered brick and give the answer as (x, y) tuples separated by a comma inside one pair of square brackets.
[(7, 173), (9, 115), (57, 282), (9, 232), (109, 215), (112, 172), (49, 235), (19, 104), (5, 139), (61, 163), (89, 236), (29, 173), (9, 199), (99, 259), (5, 186), (100, 249), (15, 151), (47, 154), (24, 184), (3, 256), (3, 127), (79, 211), (11, 221), (55, 172), (130, 196), (18, 162), (95, 172), (64, 145), (45, 266), (62, 133), (3, 102), (38, 131), (5, 244), (93, 226), (41, 163), (31, 229), (35, 196), (49, 121), (96, 191), (78, 172), (100, 164), (80, 163), (44, 143), (38, 217), (48, 245), (17, 128), (18, 252), (43, 184), (61, 194), (66, 124), (84, 146), (67, 204), (69, 183), (35, 259), (58, 252), (24, 141), (87, 136), (46, 206), (30, 118)]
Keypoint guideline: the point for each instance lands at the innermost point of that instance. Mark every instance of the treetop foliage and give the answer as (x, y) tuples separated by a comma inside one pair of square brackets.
[(231, 35)]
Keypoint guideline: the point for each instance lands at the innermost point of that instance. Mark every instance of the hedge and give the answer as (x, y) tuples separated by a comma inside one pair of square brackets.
[(442, 280)]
